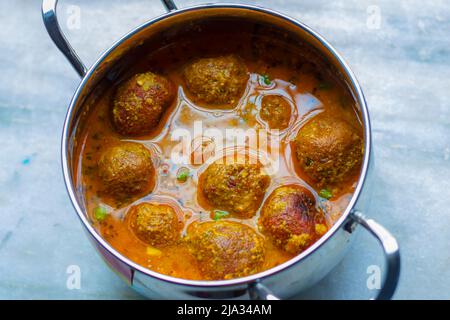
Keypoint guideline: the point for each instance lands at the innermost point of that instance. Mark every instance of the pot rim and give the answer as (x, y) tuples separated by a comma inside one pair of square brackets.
[(65, 144)]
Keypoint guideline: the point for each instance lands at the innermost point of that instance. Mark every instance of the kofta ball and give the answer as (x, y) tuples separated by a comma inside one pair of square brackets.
[(154, 224), (236, 187), (125, 170), (328, 150), (217, 81), (275, 111), (140, 102), (290, 219), (225, 249)]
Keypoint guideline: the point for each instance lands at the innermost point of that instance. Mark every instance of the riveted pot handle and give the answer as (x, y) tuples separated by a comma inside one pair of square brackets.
[(51, 24), (169, 4), (391, 252), (53, 29), (258, 291)]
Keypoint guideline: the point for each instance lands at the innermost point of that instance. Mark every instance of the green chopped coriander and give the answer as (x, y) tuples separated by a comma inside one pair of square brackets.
[(100, 213), (266, 79), (182, 175), (325, 193), (219, 214)]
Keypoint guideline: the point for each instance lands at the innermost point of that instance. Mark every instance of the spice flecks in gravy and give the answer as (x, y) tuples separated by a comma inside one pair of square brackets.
[(305, 85)]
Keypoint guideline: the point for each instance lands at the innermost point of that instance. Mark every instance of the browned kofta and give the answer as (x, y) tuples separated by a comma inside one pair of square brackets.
[(238, 188), (217, 81), (290, 218), (155, 224), (275, 111), (125, 170), (140, 102), (226, 249), (328, 149)]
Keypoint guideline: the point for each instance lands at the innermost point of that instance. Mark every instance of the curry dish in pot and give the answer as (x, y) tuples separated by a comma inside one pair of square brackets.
[(196, 203)]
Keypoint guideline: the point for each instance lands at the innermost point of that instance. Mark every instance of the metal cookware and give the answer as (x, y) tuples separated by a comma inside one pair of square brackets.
[(282, 281)]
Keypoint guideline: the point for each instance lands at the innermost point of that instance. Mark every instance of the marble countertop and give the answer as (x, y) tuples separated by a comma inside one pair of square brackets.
[(400, 52)]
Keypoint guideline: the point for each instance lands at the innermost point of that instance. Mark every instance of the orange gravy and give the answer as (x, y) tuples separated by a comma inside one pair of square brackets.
[(308, 90)]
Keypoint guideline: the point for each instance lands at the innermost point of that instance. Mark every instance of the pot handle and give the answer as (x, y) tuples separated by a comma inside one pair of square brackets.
[(169, 4), (391, 253), (258, 291), (53, 29), (51, 24)]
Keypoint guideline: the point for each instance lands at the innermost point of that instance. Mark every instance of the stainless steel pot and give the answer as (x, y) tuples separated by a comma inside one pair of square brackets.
[(284, 280)]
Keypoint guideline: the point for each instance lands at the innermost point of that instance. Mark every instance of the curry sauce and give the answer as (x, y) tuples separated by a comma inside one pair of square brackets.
[(305, 84)]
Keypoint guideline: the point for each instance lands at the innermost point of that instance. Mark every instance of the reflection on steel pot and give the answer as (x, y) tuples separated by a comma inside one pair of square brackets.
[(282, 281)]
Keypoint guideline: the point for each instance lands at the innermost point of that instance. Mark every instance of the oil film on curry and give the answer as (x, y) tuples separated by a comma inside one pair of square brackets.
[(210, 163)]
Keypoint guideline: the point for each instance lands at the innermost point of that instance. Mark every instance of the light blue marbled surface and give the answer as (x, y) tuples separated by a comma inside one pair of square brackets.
[(403, 67)]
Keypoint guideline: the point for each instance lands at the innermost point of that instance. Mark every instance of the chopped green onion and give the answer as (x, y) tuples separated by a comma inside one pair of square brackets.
[(183, 174), (100, 213), (325, 193), (266, 79), (219, 214)]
